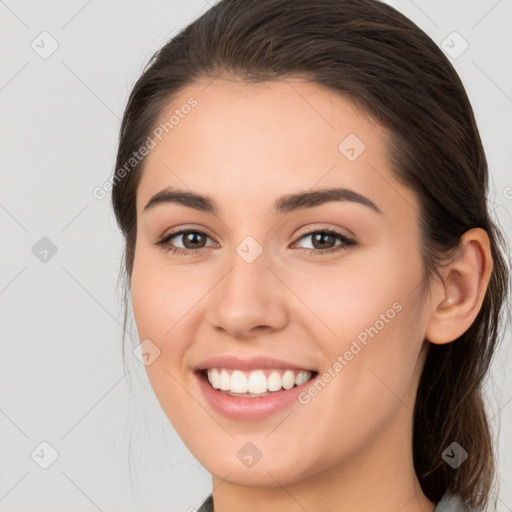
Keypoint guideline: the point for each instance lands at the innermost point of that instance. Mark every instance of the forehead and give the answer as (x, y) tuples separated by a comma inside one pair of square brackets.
[(260, 140), (262, 116)]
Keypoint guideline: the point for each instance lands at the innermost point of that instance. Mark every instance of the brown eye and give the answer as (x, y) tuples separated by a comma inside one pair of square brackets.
[(192, 240), (324, 241), (321, 239)]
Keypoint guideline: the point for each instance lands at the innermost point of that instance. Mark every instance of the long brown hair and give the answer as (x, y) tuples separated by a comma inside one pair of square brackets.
[(373, 55)]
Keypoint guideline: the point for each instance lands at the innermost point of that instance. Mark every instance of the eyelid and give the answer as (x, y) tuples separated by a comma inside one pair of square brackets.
[(346, 241), (186, 228), (325, 227), (303, 231)]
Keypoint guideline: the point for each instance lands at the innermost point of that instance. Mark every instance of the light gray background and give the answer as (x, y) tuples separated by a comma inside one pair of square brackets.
[(61, 373)]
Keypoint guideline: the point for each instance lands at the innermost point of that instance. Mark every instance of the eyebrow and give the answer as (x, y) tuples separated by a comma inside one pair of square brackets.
[(284, 204)]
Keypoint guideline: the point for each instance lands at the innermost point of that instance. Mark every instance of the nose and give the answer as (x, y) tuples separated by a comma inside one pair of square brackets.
[(248, 300)]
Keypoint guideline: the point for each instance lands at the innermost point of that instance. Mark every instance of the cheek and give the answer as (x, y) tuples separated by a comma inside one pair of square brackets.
[(168, 305), (160, 302), (359, 295), (372, 325), (161, 297)]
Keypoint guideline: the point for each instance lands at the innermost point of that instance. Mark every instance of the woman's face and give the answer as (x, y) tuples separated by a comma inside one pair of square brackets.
[(266, 295)]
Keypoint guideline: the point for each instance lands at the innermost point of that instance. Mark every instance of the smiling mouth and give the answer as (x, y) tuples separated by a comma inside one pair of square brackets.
[(255, 383)]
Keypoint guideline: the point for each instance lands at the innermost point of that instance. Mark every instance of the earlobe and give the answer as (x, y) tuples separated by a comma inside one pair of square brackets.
[(462, 290)]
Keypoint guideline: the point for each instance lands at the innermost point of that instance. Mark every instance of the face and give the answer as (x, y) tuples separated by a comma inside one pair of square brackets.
[(320, 286)]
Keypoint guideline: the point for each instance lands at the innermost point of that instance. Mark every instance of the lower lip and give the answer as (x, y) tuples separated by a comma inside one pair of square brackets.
[(244, 408)]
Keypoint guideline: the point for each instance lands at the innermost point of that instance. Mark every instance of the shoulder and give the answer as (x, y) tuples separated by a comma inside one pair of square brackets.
[(452, 503), (207, 505)]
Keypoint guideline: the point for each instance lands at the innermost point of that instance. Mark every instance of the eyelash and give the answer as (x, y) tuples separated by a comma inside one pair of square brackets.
[(347, 242)]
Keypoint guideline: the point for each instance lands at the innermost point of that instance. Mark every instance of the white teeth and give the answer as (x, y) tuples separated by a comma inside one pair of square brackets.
[(257, 382), (214, 378), (274, 382), (225, 381), (302, 377), (288, 379), (238, 382)]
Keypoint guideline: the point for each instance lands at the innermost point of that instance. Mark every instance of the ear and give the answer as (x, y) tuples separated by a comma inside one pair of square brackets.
[(459, 297)]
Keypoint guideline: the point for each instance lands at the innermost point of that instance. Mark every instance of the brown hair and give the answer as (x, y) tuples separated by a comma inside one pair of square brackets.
[(372, 54)]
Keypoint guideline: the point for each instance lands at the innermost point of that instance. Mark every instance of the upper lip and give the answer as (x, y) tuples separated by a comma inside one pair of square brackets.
[(253, 363)]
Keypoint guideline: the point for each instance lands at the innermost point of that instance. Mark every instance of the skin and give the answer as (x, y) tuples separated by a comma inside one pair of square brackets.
[(244, 146)]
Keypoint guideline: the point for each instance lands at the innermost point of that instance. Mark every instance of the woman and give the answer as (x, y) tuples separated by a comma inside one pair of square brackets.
[(310, 258)]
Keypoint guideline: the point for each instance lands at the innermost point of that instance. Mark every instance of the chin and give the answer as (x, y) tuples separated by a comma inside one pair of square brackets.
[(272, 472)]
